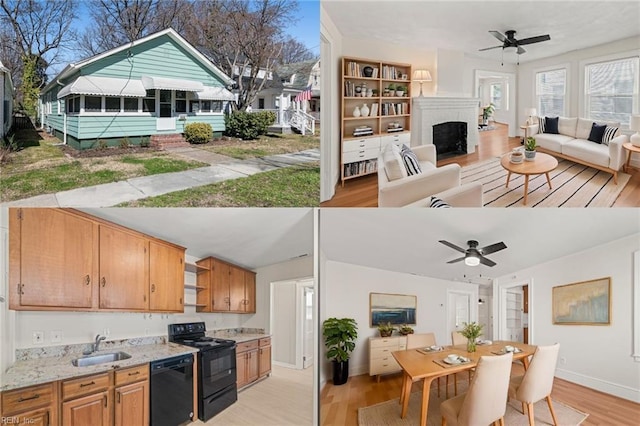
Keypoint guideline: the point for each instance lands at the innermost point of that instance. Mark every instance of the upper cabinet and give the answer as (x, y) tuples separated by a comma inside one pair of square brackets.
[(63, 259), (226, 287)]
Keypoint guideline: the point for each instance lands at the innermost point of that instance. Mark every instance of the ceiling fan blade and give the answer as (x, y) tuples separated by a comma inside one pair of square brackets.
[(486, 261), (493, 248), (456, 260), (453, 246), (498, 35), (520, 50), (489, 48), (532, 40)]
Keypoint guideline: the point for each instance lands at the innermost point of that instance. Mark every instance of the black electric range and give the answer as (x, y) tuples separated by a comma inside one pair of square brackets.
[(217, 388)]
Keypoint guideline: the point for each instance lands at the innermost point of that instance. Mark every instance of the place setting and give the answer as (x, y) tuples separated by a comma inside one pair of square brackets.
[(507, 349), (452, 360), (430, 349)]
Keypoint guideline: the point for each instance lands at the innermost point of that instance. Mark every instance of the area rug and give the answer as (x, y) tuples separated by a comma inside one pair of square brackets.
[(485, 128), (574, 185), (388, 413)]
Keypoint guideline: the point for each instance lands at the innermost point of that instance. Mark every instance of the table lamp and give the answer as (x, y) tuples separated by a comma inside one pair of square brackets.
[(634, 124), (422, 76), (531, 112)]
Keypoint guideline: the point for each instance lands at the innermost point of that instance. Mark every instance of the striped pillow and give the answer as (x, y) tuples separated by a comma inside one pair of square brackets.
[(410, 161), (609, 134), (437, 203), (541, 121)]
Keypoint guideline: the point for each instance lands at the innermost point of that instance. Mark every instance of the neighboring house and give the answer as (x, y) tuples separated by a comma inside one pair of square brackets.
[(6, 100), (148, 88)]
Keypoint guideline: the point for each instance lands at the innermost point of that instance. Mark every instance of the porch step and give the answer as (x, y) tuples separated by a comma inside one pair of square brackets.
[(168, 141)]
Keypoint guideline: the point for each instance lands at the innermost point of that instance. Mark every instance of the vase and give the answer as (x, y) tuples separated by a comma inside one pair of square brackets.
[(356, 112), (369, 93), (529, 155), (340, 372), (471, 345), (364, 110)]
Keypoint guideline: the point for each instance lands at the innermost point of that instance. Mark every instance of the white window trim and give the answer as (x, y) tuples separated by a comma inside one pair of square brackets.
[(567, 86), (636, 306), (582, 66)]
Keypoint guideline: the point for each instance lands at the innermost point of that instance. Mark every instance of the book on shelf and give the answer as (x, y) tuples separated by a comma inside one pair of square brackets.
[(396, 129), (360, 168), (374, 110)]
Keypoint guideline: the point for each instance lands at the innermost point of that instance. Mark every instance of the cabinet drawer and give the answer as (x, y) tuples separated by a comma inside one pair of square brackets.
[(361, 144), (384, 342), (382, 352), (398, 139), (382, 366), (133, 374), (366, 154), (84, 385), (247, 346), (19, 400), (265, 341)]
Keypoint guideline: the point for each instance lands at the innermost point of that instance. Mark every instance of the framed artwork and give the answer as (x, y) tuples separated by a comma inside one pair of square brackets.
[(394, 308), (583, 303)]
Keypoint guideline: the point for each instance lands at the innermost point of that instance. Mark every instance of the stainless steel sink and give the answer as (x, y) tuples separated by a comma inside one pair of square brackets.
[(100, 359)]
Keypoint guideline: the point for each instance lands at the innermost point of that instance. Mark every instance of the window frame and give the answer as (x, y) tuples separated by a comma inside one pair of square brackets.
[(567, 87), (498, 106)]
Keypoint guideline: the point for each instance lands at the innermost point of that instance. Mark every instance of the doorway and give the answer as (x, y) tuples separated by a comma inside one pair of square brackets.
[(513, 311), (500, 89), (460, 310), (165, 120)]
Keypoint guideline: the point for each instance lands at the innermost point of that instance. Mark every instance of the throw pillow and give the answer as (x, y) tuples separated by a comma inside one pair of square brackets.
[(541, 124), (437, 203), (609, 133), (597, 131), (393, 166), (551, 125), (410, 161)]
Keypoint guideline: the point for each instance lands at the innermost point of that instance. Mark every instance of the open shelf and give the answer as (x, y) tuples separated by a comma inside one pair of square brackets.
[(194, 287), (192, 267), (197, 305)]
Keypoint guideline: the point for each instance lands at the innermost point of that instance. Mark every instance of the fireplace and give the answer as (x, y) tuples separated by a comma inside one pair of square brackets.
[(450, 139)]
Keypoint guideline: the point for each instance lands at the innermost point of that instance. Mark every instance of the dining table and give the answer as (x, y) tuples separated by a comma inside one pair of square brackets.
[(427, 364)]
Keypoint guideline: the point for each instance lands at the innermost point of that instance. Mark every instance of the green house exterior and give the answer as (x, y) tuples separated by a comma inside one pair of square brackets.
[(153, 86)]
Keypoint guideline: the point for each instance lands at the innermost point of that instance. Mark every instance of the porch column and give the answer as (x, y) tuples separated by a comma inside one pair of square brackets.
[(281, 109)]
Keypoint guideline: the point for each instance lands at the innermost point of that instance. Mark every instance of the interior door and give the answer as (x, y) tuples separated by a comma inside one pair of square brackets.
[(308, 330), (459, 311)]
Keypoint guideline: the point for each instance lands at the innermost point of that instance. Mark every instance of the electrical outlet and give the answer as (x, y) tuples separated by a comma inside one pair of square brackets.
[(563, 360), (38, 337), (56, 336)]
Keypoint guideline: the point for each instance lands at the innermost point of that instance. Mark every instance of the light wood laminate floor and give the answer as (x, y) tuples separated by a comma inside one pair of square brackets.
[(339, 404), (363, 192)]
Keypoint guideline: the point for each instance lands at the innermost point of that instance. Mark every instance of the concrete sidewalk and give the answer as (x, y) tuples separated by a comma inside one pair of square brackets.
[(221, 168)]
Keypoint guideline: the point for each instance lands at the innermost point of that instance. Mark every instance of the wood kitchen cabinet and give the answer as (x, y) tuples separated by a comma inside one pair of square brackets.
[(247, 363), (226, 287), (264, 363), (63, 259), (34, 405), (132, 396), (87, 410)]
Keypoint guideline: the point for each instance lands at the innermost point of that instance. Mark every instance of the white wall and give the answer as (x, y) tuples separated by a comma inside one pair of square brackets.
[(284, 323), (598, 357), (346, 289)]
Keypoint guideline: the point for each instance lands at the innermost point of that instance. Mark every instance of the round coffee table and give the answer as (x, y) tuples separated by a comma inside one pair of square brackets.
[(543, 163), (631, 149)]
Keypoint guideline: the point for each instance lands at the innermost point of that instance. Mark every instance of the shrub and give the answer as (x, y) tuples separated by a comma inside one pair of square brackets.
[(198, 132), (102, 144), (124, 142), (249, 125), (145, 142)]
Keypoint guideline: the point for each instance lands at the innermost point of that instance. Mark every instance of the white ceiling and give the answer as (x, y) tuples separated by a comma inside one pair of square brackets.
[(406, 240), (464, 25), (248, 237)]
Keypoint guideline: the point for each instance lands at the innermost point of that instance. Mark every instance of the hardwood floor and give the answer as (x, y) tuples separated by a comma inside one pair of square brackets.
[(339, 404), (363, 192)]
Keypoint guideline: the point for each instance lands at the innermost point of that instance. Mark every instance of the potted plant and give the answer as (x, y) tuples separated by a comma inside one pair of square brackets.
[(405, 329), (471, 331), (530, 148), (339, 338), (400, 90), (392, 89), (487, 112), (385, 330)]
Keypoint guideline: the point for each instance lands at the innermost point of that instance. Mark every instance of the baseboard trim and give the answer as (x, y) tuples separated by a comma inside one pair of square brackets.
[(283, 364), (605, 386)]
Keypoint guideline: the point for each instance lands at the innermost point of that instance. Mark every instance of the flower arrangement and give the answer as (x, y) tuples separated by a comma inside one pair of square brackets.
[(385, 330), (471, 331)]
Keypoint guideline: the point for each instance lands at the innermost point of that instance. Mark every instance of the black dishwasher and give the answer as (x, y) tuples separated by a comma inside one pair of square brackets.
[(171, 393)]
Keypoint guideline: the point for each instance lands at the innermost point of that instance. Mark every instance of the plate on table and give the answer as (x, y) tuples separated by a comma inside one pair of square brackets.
[(504, 351), (485, 342), (433, 349), (459, 360)]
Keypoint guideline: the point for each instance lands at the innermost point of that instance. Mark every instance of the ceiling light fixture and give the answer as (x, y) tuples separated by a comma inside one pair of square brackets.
[(472, 260)]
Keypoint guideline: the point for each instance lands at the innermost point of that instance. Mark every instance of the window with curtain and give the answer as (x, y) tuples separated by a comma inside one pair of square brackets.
[(550, 92), (611, 90)]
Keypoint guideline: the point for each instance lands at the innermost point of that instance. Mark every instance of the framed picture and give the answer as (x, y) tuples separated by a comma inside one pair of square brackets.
[(393, 308), (583, 303)]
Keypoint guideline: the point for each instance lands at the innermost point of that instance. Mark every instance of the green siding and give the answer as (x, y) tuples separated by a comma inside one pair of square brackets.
[(160, 57)]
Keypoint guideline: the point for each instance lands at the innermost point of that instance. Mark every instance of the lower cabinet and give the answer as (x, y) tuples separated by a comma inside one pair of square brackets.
[(87, 410), (264, 364), (132, 404), (381, 360), (253, 360), (34, 405)]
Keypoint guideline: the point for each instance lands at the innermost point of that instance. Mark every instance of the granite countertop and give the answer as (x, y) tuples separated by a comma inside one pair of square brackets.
[(238, 337), (31, 372)]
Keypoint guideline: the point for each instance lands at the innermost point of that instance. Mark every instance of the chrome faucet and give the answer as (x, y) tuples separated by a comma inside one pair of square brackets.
[(94, 346)]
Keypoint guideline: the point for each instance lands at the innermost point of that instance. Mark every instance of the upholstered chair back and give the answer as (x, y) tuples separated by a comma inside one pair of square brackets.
[(420, 340)]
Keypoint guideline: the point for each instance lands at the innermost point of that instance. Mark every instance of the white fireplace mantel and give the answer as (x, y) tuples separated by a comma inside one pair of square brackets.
[(429, 111)]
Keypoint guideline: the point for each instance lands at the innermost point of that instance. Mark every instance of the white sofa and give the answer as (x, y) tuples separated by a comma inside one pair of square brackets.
[(417, 190), (572, 143)]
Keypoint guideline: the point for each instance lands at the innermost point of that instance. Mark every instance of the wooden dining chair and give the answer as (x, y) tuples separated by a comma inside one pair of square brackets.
[(537, 381), (423, 340), (485, 402), (458, 339)]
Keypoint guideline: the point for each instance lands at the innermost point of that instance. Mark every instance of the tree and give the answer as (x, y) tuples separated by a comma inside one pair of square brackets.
[(293, 51)]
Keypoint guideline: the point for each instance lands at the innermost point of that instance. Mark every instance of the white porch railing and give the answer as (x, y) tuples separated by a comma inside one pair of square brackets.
[(303, 122)]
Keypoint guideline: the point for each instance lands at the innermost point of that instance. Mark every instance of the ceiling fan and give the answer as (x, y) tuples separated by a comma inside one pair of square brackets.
[(473, 255), (509, 41)]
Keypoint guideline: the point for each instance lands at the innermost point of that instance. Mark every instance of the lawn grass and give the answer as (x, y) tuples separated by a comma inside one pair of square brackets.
[(296, 186), (157, 165), (270, 144)]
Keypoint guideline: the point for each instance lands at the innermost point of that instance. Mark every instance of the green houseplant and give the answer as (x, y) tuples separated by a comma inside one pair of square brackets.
[(530, 148), (405, 329), (471, 331), (339, 338), (487, 112), (385, 329)]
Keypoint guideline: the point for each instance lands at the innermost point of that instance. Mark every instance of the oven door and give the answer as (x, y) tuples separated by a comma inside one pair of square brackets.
[(217, 370)]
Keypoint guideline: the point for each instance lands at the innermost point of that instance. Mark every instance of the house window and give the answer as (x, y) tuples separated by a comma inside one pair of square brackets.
[(149, 101), (60, 106), (550, 92), (611, 90), (130, 105), (73, 104), (496, 95), (194, 106), (111, 104), (181, 101), (206, 106), (216, 106), (92, 103), (260, 103)]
